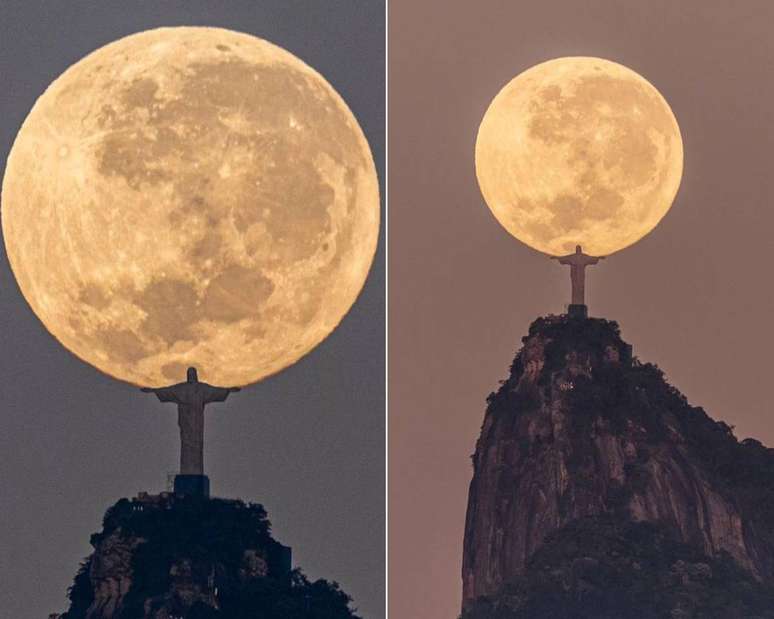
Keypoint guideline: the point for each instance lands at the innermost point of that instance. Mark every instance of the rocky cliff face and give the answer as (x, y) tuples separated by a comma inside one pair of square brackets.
[(582, 430), (165, 557)]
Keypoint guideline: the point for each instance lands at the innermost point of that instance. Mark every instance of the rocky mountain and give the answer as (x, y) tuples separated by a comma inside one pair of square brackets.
[(599, 491), (172, 557)]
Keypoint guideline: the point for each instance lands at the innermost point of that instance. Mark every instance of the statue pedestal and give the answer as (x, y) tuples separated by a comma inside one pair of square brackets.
[(577, 311), (192, 485), (282, 558)]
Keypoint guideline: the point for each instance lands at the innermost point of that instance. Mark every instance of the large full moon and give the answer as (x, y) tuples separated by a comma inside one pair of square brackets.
[(579, 151), (190, 196)]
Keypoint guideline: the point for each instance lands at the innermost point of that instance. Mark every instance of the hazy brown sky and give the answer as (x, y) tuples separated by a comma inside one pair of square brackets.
[(695, 296)]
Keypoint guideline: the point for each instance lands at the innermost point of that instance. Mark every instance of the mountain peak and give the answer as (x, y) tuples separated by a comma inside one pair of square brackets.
[(582, 429), (162, 556)]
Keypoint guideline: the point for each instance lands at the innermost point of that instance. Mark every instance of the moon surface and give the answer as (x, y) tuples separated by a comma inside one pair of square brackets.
[(190, 196), (579, 151)]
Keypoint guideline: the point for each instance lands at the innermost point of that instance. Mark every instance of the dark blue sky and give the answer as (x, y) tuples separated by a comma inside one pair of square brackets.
[(307, 443)]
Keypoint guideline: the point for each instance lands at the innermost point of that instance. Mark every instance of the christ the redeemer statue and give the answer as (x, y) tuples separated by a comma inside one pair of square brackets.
[(578, 263), (191, 397)]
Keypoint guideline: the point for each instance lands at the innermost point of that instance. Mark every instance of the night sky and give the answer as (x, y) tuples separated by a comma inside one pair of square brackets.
[(308, 443), (695, 296)]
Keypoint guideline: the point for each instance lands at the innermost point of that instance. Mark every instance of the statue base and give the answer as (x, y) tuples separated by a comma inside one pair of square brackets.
[(577, 311), (282, 557), (192, 485)]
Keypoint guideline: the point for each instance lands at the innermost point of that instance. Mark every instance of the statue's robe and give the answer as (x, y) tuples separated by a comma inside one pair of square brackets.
[(191, 399), (578, 263)]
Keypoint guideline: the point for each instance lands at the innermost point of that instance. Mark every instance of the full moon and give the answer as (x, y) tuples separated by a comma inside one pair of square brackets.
[(190, 196), (579, 151)]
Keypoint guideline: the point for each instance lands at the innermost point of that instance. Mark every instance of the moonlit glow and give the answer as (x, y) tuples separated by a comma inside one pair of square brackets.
[(579, 151), (190, 196)]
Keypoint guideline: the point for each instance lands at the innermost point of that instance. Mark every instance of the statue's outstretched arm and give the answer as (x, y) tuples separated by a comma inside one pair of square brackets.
[(563, 259), (218, 394), (164, 394)]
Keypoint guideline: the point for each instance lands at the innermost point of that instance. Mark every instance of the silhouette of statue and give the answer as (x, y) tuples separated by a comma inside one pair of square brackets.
[(191, 398), (578, 263)]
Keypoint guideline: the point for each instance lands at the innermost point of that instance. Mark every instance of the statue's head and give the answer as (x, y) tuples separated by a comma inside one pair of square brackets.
[(578, 249), (192, 376)]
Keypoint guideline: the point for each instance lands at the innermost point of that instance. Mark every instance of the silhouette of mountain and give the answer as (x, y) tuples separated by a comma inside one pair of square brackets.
[(599, 491), (169, 556)]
